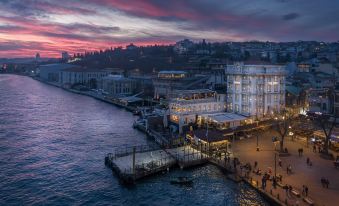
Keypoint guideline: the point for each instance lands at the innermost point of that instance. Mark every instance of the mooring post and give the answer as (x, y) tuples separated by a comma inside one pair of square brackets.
[(133, 164)]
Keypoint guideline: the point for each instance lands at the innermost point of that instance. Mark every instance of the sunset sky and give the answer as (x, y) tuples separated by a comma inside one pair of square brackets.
[(53, 26)]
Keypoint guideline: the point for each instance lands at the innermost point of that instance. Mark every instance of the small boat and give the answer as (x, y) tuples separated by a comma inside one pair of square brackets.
[(136, 112), (182, 181)]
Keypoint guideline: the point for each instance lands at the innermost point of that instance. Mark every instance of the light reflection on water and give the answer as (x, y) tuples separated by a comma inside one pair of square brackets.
[(52, 146)]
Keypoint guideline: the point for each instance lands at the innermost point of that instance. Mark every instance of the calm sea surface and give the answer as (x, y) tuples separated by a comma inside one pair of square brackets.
[(52, 148)]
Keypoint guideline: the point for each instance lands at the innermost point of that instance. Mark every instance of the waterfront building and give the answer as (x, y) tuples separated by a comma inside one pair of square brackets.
[(90, 78), (168, 81), (52, 72), (185, 106), (144, 84), (256, 90), (118, 85)]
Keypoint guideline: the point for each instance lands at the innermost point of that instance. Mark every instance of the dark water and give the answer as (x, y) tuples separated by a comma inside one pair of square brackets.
[(52, 148)]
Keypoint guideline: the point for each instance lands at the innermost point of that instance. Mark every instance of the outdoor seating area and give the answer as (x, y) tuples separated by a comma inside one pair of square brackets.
[(221, 121)]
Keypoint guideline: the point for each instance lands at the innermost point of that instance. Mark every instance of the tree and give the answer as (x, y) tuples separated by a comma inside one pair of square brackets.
[(283, 123), (326, 123)]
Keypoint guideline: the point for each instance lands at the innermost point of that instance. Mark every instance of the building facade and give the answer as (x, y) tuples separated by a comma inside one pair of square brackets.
[(255, 90), (53, 72), (118, 85), (186, 106), (90, 78)]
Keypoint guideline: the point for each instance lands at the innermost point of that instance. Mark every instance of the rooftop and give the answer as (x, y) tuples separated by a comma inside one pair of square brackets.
[(224, 117), (172, 72), (193, 91), (80, 69)]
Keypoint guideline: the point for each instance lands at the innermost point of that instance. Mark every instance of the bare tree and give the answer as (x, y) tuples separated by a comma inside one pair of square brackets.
[(326, 123), (283, 123)]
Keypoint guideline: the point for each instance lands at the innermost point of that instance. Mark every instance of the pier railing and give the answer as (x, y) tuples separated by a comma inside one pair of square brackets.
[(127, 150)]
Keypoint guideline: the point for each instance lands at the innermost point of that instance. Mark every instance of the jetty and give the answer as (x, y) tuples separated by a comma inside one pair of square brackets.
[(133, 163)]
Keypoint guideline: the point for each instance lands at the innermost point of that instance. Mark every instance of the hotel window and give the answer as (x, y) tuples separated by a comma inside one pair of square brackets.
[(230, 107), (237, 97), (269, 88), (236, 108), (237, 87), (269, 99)]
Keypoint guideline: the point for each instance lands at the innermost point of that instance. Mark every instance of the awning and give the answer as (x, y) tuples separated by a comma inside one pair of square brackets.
[(224, 117)]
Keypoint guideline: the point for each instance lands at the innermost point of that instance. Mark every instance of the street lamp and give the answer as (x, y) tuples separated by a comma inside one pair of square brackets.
[(257, 143), (275, 165)]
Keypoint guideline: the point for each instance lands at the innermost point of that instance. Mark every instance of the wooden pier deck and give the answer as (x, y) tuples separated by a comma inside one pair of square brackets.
[(133, 163)]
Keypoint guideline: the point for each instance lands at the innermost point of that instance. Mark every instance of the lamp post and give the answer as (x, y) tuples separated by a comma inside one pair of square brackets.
[(275, 164)]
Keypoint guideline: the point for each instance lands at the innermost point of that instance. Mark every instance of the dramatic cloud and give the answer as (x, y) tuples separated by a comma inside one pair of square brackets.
[(52, 26)]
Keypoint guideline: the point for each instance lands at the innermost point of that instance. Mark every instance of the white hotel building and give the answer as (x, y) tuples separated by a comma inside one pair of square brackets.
[(255, 90)]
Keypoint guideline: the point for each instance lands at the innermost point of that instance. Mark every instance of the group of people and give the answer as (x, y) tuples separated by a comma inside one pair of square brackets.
[(324, 182), (288, 189), (305, 190), (315, 148), (264, 179)]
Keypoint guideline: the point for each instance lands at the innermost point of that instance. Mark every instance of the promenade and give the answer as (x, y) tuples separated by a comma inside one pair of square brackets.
[(302, 174)]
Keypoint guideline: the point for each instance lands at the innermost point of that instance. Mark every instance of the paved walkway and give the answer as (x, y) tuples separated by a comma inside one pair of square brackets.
[(302, 174)]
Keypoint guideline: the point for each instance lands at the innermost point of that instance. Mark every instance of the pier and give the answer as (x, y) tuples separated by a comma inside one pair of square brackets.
[(133, 163)]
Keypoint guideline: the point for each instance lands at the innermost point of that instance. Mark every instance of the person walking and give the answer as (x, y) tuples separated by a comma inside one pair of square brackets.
[(314, 148), (322, 180), (280, 163), (308, 161), (306, 191), (327, 183), (287, 169)]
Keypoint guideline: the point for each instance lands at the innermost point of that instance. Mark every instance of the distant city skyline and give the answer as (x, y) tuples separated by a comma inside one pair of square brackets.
[(50, 27)]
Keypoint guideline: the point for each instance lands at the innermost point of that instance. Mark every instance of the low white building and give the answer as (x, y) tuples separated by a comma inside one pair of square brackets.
[(87, 77), (52, 72), (186, 105), (255, 90), (117, 85)]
